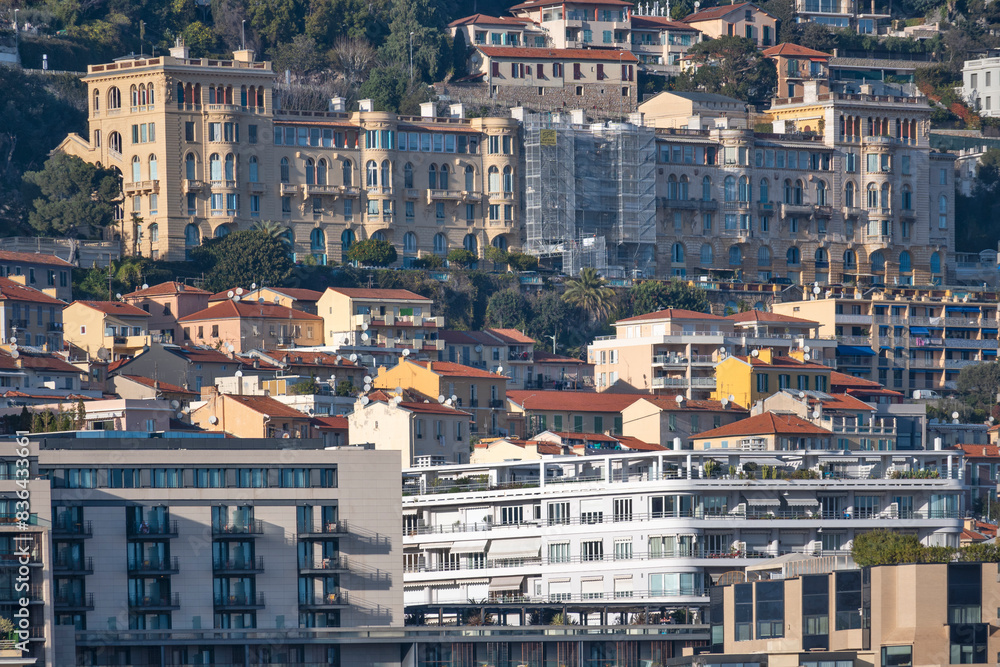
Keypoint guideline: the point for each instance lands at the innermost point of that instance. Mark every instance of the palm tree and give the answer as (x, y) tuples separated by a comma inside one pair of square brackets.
[(272, 228), (590, 293)]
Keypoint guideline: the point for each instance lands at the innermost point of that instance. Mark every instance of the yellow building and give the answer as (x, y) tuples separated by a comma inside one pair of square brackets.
[(481, 393), (746, 380), (736, 20), (108, 330), (246, 416), (204, 152)]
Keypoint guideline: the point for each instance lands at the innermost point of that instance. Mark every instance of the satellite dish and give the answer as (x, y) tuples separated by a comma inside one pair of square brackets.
[(260, 300), (180, 415), (448, 402), (807, 349), (236, 299), (807, 356), (479, 348), (354, 357), (13, 339), (399, 390), (118, 296), (364, 326), (365, 400), (802, 394), (368, 379), (368, 387), (102, 354), (13, 347), (253, 285), (441, 398), (230, 294), (175, 404), (229, 346), (339, 358), (816, 289), (345, 341), (499, 369), (755, 353), (454, 397), (364, 336), (816, 414), (731, 398), (15, 354), (406, 352), (725, 403), (954, 415), (145, 286), (239, 374), (333, 378), (679, 399), (213, 420), (239, 291), (398, 400)]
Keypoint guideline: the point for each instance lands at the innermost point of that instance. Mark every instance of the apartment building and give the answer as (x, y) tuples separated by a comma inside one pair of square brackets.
[(240, 326), (981, 84), (202, 138), (854, 423), (601, 24), (165, 303), (147, 549), (191, 368), (752, 378), (250, 416), (694, 111), (48, 273), (669, 422), (904, 338), (859, 15), (107, 330), (660, 43), (666, 524), (736, 20), (30, 317), (26, 374), (532, 411), (485, 30)]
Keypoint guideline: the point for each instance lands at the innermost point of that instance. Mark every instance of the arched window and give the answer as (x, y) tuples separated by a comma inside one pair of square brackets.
[(905, 262), (729, 188), (114, 98), (471, 244), (765, 195), (189, 167), (763, 256), (746, 193), (289, 236), (408, 175), (884, 196), (321, 169), (850, 260), (499, 242), (440, 244), (907, 198), (221, 231), (409, 243), (820, 255), (707, 255), (432, 177), (384, 175), (348, 173), (310, 172), (254, 169), (154, 173), (149, 94), (872, 196), (284, 170), (494, 179), (346, 240), (97, 100), (470, 178), (133, 94), (154, 233), (821, 199), (942, 204), (243, 96), (878, 262), (677, 253), (444, 177), (682, 193), (192, 236), (180, 93), (706, 188), (793, 257), (849, 192), (136, 169), (508, 179), (735, 255), (115, 142), (935, 263), (671, 187), (317, 241), (230, 167), (371, 171), (788, 192), (797, 193)]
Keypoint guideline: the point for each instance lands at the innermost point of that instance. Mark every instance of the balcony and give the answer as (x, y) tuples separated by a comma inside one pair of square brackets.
[(64, 564), (188, 185), (55, 326), (127, 343), (496, 404), (313, 189), (795, 209), (336, 563), (154, 566), (239, 601), (73, 601), (155, 602), (146, 531), (140, 187), (908, 214), (851, 211), (238, 566), (67, 530), (683, 383), (338, 599), (681, 360), (257, 188), (223, 185), (472, 196), (443, 195), (735, 233), (349, 191), (289, 189), (823, 211), (251, 528), (329, 529), (379, 191)]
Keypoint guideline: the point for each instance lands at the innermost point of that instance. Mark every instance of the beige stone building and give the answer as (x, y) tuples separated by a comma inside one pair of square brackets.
[(48, 273), (424, 434), (165, 303), (249, 416), (742, 19), (107, 330), (30, 316), (247, 325), (203, 152)]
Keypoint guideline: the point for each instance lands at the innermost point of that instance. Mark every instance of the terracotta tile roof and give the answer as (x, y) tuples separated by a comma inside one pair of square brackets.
[(163, 386), (572, 401), (115, 365), (988, 529), (12, 291), (453, 337), (304, 358), (670, 403), (383, 294), (36, 362), (224, 294), (659, 22), (714, 13), (762, 316), (980, 451), (841, 402), (779, 361), (550, 448), (486, 19), (543, 357), (167, 288), (451, 369), (522, 53), (297, 293), (431, 408), (201, 355), (510, 336), (638, 445), (972, 536), (672, 314), (331, 423), (588, 437), (766, 423), (873, 392), (794, 50), (266, 405), (113, 308), (838, 379), (228, 310), (548, 3), (33, 258)]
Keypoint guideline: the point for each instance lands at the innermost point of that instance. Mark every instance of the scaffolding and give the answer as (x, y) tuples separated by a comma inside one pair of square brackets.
[(590, 195)]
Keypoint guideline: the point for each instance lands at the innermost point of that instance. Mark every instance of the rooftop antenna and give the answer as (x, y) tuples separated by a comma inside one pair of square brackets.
[(243, 33)]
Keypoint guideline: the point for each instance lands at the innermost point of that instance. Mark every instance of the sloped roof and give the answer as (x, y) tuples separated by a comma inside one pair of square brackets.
[(638, 445), (33, 258), (297, 293), (548, 3), (486, 19), (763, 316), (980, 451), (305, 358), (451, 369), (36, 362), (659, 22), (228, 310), (266, 405), (113, 308), (572, 401), (525, 53), (12, 291), (767, 423), (543, 357), (838, 379), (510, 336), (163, 386), (336, 423), (722, 11), (672, 314), (670, 403), (780, 361), (385, 294), (788, 49), (167, 288), (431, 408)]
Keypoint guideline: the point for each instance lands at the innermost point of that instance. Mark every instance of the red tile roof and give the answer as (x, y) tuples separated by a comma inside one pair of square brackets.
[(843, 402), (113, 308), (451, 369), (638, 445), (838, 379), (714, 13), (780, 361), (522, 53), (336, 423), (588, 437), (672, 314), (659, 22), (762, 316), (572, 401), (33, 258), (794, 50), (543, 357), (670, 403), (297, 293), (304, 358), (383, 294), (548, 3), (224, 294), (431, 408), (12, 291), (510, 336), (486, 19), (36, 362), (766, 423), (228, 310), (266, 405), (165, 289), (980, 451), (873, 392), (163, 386)]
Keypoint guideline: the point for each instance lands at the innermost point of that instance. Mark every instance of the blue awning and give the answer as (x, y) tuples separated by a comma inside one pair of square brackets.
[(990, 352), (962, 309), (855, 351), (919, 331), (885, 347)]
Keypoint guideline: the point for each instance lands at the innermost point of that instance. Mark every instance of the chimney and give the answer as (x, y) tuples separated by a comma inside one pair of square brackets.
[(338, 104), (208, 392), (365, 105), (430, 365), (178, 50), (181, 287), (456, 110), (766, 355), (428, 109), (243, 55)]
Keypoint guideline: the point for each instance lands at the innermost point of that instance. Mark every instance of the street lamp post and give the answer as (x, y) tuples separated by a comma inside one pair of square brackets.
[(411, 56)]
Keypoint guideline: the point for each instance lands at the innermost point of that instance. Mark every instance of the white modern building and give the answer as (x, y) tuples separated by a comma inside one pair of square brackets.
[(981, 84)]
